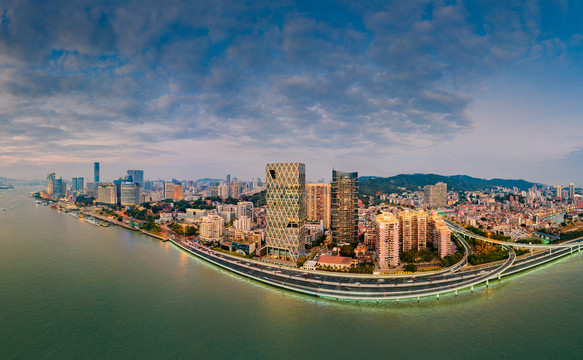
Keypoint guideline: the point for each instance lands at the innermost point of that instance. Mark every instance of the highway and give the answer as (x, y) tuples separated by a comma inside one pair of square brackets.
[(380, 287)]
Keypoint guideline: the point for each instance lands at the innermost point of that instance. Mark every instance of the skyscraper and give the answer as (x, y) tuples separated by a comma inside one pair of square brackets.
[(344, 206), (558, 191), (50, 183), (571, 191), (285, 210), (228, 178), (96, 172), (78, 184), (318, 202), (137, 176)]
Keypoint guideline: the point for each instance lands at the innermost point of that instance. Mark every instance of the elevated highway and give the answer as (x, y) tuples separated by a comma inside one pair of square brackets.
[(460, 230)]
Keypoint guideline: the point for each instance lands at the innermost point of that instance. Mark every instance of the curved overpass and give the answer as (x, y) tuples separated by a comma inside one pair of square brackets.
[(371, 288), (460, 230)]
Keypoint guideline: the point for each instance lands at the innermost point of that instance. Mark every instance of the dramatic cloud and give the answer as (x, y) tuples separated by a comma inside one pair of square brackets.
[(125, 80)]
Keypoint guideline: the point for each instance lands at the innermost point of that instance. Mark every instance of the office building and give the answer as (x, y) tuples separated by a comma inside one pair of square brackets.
[(436, 195), (168, 190), (285, 210), (386, 228), (319, 203), (344, 207), (50, 183), (107, 194), (78, 184), (129, 193), (96, 172), (137, 176)]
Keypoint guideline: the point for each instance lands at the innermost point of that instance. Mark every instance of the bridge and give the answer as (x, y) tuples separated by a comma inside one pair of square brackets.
[(460, 230)]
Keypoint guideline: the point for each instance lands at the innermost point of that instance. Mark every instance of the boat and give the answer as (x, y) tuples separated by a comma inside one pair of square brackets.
[(92, 220)]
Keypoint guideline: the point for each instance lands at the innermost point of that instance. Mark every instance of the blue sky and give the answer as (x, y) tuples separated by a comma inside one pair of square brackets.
[(197, 89)]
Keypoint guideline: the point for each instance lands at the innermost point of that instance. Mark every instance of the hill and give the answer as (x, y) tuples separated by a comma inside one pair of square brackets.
[(370, 185)]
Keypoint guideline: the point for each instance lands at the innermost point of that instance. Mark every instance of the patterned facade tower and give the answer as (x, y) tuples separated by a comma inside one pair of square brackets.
[(285, 210), (344, 207)]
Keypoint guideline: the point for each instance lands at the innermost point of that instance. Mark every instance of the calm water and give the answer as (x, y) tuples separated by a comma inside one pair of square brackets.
[(71, 290)]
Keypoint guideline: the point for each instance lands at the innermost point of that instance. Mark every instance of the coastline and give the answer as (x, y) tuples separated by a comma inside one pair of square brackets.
[(353, 290)]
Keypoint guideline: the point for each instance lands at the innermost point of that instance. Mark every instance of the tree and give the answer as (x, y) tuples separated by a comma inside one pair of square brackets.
[(411, 267), (347, 250)]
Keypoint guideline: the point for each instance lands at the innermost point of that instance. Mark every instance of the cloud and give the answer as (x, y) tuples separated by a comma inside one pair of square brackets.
[(263, 74)]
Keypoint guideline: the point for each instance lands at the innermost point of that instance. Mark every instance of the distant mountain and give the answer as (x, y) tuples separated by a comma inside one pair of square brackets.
[(370, 185), (209, 180)]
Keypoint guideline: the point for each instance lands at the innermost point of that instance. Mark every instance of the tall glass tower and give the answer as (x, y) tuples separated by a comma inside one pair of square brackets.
[(96, 172), (286, 210), (344, 207), (137, 176)]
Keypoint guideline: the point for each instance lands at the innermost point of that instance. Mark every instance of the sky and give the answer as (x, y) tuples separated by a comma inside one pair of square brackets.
[(198, 89)]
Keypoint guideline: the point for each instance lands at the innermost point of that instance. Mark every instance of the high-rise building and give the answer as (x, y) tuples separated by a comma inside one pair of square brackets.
[(436, 195), (285, 210), (107, 194), (412, 230), (344, 206), (96, 172), (78, 184), (168, 190), (571, 191), (386, 227), (137, 176), (318, 203), (50, 183), (228, 178), (243, 223), (59, 188), (558, 192), (177, 195), (129, 193), (440, 235), (245, 208), (211, 227)]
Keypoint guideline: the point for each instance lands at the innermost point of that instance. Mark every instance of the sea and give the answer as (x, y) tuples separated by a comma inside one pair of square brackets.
[(73, 290)]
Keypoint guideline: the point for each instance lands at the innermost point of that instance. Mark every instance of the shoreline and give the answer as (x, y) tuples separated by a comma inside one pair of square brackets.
[(352, 290)]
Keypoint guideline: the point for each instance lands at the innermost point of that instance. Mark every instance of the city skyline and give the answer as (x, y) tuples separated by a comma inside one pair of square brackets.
[(416, 87)]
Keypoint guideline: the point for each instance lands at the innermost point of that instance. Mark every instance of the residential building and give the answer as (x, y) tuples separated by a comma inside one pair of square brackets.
[(440, 235), (571, 191), (412, 230), (243, 223), (285, 210), (245, 208), (319, 203), (436, 195), (386, 227), (211, 227)]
